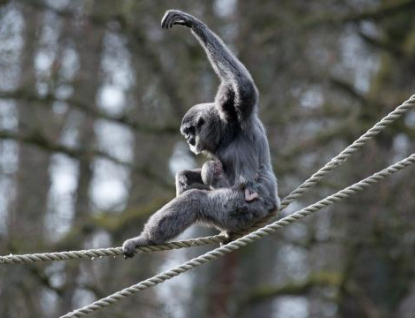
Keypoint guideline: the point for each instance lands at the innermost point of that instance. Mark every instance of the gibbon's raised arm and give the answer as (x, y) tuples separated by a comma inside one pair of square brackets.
[(237, 95)]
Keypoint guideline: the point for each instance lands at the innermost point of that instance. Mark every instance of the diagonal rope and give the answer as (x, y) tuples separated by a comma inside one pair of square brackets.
[(338, 160), (300, 190), (347, 152), (238, 243)]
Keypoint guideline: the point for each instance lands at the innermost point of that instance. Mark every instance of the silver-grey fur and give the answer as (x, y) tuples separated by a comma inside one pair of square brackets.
[(227, 130), (214, 177)]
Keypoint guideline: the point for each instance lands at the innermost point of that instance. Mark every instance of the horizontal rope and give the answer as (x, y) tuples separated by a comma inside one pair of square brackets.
[(238, 243), (105, 252), (316, 177)]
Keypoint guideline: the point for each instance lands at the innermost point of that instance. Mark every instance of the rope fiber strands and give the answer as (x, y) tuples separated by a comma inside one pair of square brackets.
[(306, 185), (247, 239), (105, 252)]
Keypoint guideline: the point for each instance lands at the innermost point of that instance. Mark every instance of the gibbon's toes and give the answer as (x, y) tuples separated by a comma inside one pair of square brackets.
[(128, 249), (228, 237)]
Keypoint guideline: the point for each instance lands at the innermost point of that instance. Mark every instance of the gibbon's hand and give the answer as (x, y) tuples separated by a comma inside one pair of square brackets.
[(173, 17)]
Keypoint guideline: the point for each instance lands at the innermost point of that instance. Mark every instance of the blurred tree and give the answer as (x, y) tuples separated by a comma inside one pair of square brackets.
[(88, 45), (32, 181), (91, 97)]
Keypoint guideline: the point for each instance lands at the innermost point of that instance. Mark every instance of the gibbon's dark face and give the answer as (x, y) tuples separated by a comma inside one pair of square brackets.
[(195, 125)]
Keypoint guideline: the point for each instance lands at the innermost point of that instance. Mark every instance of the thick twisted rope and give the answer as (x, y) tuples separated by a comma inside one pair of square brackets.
[(347, 152), (238, 243), (300, 190), (105, 252)]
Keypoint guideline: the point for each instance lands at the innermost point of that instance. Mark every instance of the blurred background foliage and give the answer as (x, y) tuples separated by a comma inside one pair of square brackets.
[(91, 98)]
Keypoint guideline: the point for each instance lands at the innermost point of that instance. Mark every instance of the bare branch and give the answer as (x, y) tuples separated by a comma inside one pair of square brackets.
[(123, 119), (383, 45), (35, 138), (323, 279), (385, 10)]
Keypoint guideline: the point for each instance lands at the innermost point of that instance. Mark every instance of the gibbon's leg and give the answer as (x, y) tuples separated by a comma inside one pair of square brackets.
[(225, 209)]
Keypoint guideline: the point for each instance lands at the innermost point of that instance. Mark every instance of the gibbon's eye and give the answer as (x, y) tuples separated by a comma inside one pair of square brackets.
[(191, 130), (187, 130), (200, 122)]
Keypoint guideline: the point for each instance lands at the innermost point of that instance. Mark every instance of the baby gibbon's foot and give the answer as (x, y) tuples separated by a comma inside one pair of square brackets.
[(250, 196)]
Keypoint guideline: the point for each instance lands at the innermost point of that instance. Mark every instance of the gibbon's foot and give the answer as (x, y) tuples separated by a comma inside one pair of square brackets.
[(130, 246), (250, 196), (228, 237)]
